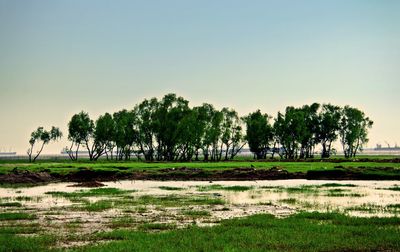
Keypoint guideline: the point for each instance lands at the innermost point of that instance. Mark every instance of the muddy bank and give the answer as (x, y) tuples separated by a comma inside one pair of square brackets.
[(184, 173)]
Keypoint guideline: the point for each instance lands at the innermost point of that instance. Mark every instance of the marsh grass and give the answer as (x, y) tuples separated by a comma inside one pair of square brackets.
[(393, 188), (156, 226), (196, 213), (97, 206), (12, 242), (25, 198), (123, 221), (290, 201), (11, 204), (336, 185), (226, 188), (373, 208), (98, 192), (16, 216), (324, 232)]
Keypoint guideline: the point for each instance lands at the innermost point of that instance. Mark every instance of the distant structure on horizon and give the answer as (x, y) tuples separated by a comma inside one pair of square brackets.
[(5, 153), (388, 148)]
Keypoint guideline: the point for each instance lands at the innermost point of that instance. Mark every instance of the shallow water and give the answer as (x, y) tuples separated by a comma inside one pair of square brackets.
[(366, 192)]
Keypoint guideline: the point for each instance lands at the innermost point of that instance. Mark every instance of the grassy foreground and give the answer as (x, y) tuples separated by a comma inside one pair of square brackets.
[(300, 232)]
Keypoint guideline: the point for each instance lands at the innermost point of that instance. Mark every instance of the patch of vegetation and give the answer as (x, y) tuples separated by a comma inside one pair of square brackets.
[(98, 192), (12, 242), (337, 185), (24, 198), (16, 216), (288, 201), (226, 188), (393, 206), (123, 221), (329, 232), (369, 208), (20, 229), (309, 189), (11, 204), (156, 226), (175, 200), (355, 195), (393, 188), (196, 213)]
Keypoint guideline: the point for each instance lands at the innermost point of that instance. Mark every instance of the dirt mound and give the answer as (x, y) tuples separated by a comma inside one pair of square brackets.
[(24, 176)]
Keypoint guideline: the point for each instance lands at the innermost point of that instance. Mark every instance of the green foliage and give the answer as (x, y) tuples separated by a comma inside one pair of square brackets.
[(168, 129), (80, 130), (353, 131), (44, 136), (328, 127), (259, 133)]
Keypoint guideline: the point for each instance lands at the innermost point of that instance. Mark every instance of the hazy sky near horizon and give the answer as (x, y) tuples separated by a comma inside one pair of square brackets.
[(60, 57)]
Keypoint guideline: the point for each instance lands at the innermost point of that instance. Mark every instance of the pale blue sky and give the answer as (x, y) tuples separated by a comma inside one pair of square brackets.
[(60, 57)]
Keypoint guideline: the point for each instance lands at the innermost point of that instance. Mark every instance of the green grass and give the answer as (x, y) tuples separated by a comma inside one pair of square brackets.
[(196, 213), (288, 201), (10, 204), (226, 188), (98, 192), (337, 185), (123, 221), (20, 229), (393, 188), (176, 201), (12, 242), (373, 208), (16, 216), (66, 167), (156, 226), (301, 232)]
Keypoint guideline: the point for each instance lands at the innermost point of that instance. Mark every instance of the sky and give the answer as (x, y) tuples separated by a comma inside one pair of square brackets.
[(60, 57)]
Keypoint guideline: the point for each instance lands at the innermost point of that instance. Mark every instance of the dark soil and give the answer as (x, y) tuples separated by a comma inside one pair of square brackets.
[(88, 184), (91, 178)]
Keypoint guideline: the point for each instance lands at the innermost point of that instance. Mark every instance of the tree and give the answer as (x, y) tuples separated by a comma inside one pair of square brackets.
[(45, 137), (353, 130), (167, 118), (231, 133), (212, 135), (288, 129), (125, 135), (259, 133), (143, 115), (328, 127), (80, 129), (308, 136), (103, 136)]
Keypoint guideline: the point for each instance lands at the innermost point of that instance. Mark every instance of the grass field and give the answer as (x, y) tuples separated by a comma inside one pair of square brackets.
[(300, 232), (66, 167)]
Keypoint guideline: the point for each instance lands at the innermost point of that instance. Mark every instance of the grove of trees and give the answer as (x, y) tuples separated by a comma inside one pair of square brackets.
[(168, 129)]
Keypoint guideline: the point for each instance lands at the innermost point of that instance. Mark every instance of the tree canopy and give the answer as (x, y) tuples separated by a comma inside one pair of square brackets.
[(168, 129)]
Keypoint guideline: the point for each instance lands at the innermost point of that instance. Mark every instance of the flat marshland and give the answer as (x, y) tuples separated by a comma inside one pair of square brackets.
[(323, 214)]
